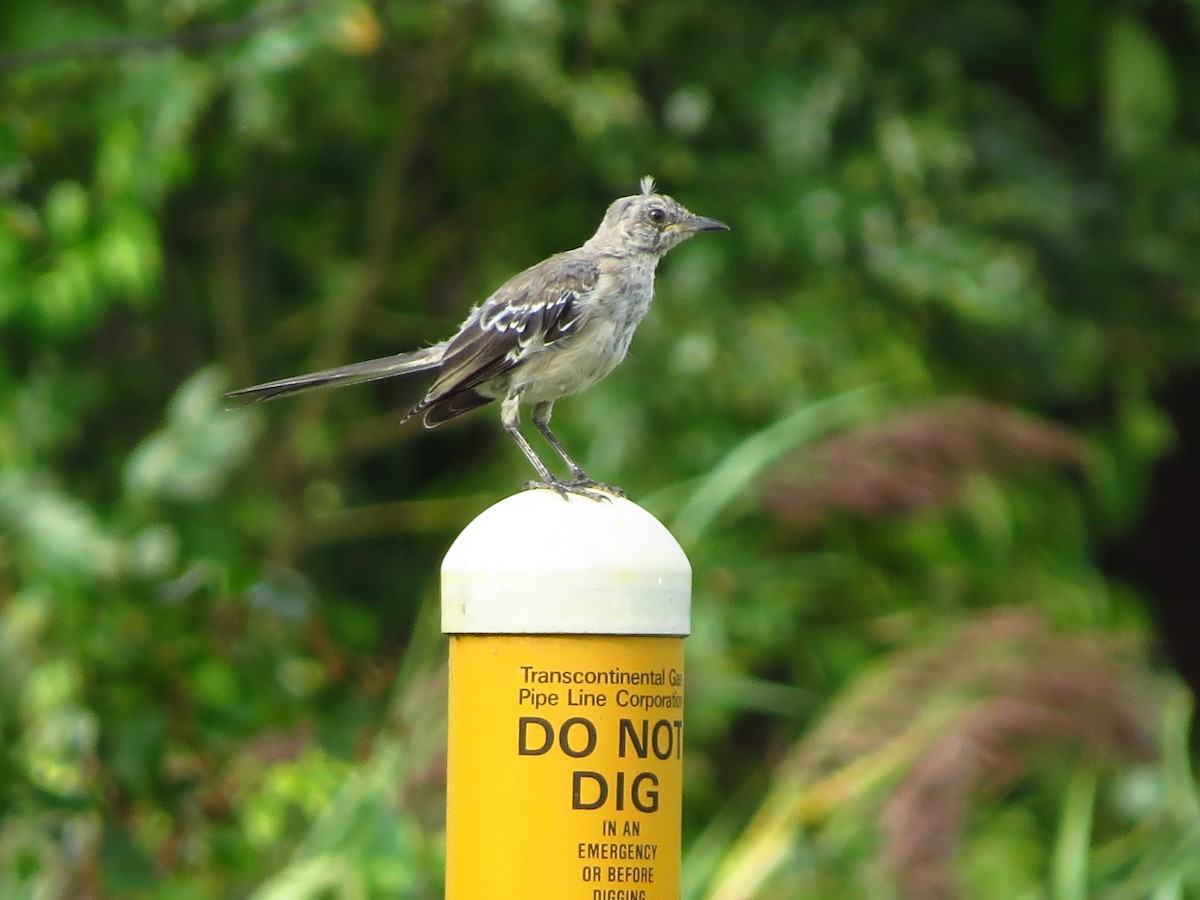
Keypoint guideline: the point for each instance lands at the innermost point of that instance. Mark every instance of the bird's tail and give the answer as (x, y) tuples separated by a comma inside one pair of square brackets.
[(355, 373)]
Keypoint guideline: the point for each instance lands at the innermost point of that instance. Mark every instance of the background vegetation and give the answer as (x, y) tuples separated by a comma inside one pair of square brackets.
[(905, 417)]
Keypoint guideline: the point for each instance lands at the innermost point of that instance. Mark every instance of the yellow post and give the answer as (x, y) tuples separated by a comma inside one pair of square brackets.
[(566, 624)]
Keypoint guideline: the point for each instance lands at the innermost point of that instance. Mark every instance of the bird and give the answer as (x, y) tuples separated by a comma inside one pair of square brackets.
[(548, 332)]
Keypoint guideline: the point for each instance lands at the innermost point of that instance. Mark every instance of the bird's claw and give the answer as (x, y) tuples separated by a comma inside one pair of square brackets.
[(607, 491), (580, 486)]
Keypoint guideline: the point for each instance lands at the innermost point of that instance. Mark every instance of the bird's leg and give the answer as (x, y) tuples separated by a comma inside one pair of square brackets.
[(510, 417), (541, 419), (579, 478)]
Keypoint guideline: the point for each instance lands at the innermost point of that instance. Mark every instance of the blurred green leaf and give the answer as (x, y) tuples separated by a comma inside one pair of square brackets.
[(66, 210), (743, 464), (1141, 96), (197, 448)]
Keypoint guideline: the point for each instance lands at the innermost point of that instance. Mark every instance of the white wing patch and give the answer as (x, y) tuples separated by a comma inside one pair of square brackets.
[(533, 324)]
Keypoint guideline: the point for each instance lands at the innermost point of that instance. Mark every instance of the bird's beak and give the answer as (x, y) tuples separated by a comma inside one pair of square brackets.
[(700, 223)]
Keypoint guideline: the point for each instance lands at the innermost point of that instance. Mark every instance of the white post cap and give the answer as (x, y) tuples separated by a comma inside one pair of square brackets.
[(538, 564)]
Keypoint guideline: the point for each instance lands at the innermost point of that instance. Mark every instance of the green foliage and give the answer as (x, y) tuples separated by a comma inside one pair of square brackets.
[(214, 625)]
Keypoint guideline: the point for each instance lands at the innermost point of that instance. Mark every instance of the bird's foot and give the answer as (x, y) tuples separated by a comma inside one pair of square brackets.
[(607, 491), (581, 486)]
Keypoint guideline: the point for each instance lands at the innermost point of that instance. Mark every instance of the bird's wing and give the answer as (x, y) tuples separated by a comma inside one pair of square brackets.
[(534, 309)]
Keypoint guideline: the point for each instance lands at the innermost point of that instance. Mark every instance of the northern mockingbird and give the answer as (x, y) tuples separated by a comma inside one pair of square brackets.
[(553, 330)]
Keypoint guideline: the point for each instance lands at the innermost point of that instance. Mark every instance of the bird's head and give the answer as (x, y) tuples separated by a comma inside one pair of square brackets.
[(649, 222)]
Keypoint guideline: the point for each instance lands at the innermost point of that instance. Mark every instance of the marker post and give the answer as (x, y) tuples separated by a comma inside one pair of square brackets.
[(566, 623)]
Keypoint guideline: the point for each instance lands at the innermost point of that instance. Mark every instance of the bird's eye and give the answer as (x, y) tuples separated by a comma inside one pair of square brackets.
[(657, 215)]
